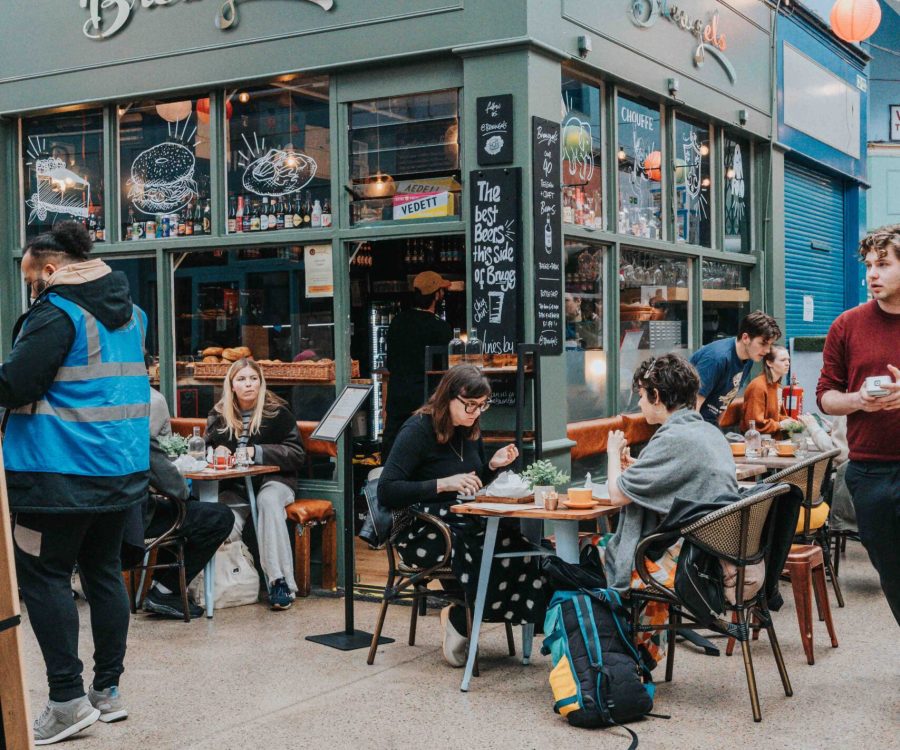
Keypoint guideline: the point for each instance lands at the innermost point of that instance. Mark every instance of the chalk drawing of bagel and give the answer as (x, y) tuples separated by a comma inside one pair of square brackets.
[(162, 179), (278, 172)]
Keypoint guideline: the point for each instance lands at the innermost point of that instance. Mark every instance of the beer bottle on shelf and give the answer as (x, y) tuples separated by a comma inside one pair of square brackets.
[(232, 216), (207, 218), (245, 218), (307, 211), (254, 218), (316, 216), (273, 219), (187, 219), (279, 213), (296, 219), (197, 217), (101, 228), (239, 215), (92, 226), (326, 213), (180, 224), (264, 215)]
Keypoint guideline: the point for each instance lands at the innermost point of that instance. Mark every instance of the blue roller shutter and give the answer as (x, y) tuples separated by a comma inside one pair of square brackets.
[(814, 248)]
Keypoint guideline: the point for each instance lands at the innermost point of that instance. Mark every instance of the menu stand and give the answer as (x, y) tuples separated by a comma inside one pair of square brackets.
[(330, 429)]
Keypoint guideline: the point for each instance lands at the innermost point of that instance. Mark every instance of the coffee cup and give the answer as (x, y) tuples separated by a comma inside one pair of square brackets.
[(580, 494), (785, 449), (738, 449)]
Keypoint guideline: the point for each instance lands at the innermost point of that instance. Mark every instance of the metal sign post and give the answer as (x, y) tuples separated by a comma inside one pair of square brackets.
[(334, 424)]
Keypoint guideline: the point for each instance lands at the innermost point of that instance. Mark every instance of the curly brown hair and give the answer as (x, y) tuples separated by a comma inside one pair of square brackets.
[(669, 379), (465, 381), (880, 240)]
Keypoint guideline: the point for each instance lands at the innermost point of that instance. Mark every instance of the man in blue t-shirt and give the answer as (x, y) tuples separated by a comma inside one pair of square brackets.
[(724, 366)]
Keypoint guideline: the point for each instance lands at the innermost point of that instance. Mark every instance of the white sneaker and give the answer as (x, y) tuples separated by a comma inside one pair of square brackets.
[(455, 645), (59, 720)]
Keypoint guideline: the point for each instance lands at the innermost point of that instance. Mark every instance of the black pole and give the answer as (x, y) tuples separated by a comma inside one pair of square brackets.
[(349, 527)]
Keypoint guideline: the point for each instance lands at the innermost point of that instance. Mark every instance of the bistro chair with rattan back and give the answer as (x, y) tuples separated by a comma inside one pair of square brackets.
[(172, 540), (740, 535), (410, 583), (812, 475)]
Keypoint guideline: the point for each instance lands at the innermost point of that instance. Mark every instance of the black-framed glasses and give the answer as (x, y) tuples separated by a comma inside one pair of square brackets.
[(472, 408)]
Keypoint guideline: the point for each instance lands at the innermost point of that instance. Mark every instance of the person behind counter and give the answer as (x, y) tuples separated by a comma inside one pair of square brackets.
[(687, 457), (249, 416), (439, 454), (408, 335), (762, 397)]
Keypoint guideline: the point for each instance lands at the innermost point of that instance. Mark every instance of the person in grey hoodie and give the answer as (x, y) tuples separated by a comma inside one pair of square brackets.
[(687, 457)]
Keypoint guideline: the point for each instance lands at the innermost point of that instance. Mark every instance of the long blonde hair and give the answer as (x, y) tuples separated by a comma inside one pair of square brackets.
[(266, 407)]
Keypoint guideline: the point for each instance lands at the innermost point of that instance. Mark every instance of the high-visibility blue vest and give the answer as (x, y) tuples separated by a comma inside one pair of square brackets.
[(95, 418)]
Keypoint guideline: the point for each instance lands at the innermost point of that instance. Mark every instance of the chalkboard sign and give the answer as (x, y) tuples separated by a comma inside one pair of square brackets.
[(494, 117), (496, 250), (548, 262)]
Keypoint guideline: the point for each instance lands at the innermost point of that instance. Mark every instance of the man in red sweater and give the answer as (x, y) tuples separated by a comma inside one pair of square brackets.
[(863, 342)]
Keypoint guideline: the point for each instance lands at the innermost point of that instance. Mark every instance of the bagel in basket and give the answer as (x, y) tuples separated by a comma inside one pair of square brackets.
[(231, 355), (212, 351), (211, 360)]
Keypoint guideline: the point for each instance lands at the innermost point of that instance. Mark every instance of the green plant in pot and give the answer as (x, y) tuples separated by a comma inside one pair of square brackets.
[(173, 445), (795, 431), (543, 477)]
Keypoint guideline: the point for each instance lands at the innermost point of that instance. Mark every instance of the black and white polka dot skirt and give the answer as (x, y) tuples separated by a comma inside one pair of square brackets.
[(516, 592)]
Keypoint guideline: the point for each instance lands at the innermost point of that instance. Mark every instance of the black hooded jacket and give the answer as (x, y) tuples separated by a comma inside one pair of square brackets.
[(27, 375)]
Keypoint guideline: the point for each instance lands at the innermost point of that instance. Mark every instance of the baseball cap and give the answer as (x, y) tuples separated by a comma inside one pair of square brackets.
[(428, 282)]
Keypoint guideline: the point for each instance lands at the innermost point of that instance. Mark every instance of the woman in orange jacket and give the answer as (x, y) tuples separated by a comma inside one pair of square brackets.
[(762, 397)]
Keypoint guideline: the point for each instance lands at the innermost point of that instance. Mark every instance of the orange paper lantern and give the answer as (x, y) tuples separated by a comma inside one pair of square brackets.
[(652, 164), (203, 110), (855, 20)]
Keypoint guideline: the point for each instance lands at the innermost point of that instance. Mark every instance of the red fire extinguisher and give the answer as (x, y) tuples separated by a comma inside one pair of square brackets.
[(792, 399)]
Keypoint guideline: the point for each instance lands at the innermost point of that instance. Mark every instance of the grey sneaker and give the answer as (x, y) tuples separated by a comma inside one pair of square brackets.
[(109, 702), (63, 719)]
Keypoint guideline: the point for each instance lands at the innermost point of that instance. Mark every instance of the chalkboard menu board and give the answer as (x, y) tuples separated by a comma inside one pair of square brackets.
[(496, 252), (548, 263), (494, 117)]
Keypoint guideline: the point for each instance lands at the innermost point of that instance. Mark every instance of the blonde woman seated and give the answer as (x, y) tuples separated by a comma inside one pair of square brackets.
[(250, 416), (762, 397), (687, 457)]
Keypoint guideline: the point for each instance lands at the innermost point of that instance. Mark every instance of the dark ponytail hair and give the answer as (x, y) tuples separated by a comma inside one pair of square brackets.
[(69, 239)]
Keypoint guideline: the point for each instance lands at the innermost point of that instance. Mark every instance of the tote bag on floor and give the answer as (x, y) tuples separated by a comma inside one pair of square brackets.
[(236, 580)]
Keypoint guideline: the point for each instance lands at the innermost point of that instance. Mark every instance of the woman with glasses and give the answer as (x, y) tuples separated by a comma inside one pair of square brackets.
[(437, 455)]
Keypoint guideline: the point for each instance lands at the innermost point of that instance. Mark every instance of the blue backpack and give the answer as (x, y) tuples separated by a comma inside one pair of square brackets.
[(598, 676)]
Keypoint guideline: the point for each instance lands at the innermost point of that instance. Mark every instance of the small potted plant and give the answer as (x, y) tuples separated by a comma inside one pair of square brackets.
[(795, 432), (173, 445), (543, 477)]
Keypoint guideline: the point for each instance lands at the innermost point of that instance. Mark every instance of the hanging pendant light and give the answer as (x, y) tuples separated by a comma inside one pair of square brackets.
[(652, 164), (174, 111), (855, 20)]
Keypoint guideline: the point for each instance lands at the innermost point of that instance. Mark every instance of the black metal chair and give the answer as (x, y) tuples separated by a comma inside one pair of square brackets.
[(170, 539), (735, 534), (408, 583), (812, 475)]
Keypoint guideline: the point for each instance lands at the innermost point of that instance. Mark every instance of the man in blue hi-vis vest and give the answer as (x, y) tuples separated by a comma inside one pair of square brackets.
[(76, 450)]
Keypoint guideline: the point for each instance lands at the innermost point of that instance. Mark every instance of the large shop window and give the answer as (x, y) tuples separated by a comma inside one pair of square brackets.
[(585, 355), (278, 156), (737, 195), (164, 168), (262, 303), (692, 183), (62, 168), (653, 313), (141, 275), (726, 299), (581, 167), (640, 169), (404, 157)]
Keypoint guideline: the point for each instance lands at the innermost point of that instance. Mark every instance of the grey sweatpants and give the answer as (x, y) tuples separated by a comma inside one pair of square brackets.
[(275, 552)]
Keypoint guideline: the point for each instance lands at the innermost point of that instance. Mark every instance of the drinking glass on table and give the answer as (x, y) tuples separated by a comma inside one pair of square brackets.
[(241, 457)]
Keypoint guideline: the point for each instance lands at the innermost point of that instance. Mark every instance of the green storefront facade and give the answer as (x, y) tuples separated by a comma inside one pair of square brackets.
[(131, 115)]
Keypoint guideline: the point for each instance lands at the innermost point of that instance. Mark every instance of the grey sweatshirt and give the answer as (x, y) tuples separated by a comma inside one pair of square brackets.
[(687, 457)]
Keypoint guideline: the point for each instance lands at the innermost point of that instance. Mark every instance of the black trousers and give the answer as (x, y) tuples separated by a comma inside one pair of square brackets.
[(875, 487), (206, 526), (47, 547)]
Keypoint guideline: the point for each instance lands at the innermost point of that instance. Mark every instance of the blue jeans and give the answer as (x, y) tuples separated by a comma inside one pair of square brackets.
[(875, 487)]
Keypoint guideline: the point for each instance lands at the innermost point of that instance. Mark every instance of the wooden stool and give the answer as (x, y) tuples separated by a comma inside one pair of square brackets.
[(806, 567), (305, 514)]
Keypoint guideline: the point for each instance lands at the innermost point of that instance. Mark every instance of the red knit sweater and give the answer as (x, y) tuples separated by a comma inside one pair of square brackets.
[(862, 342)]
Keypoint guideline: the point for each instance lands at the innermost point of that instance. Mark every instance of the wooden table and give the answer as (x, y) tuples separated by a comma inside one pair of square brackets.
[(748, 471), (207, 483), (565, 527)]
